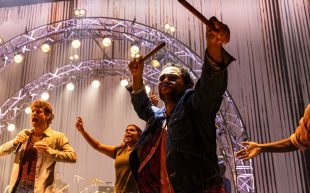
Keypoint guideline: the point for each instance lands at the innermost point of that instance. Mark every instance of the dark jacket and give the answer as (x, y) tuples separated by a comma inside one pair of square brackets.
[(191, 158)]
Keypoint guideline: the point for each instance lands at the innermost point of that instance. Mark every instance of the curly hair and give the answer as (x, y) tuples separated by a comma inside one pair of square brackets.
[(47, 108)]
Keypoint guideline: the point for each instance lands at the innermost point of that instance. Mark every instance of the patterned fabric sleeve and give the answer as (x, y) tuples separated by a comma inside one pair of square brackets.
[(301, 137)]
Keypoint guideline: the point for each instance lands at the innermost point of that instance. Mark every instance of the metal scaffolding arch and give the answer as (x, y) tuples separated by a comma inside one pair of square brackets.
[(98, 27)]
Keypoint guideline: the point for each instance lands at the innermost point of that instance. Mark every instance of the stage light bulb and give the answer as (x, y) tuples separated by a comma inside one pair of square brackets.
[(28, 110), (124, 82), (1, 40), (11, 127), (172, 29), (71, 57), (134, 49), (76, 43), (82, 12), (18, 58), (77, 12), (106, 41), (147, 89), (167, 26), (95, 83), (70, 86), (76, 57), (45, 96), (45, 48), (155, 63), (135, 55)]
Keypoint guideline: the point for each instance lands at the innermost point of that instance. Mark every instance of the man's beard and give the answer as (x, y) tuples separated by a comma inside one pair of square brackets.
[(174, 96)]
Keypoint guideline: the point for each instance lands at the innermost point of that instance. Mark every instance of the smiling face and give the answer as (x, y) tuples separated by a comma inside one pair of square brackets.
[(131, 135), (171, 85)]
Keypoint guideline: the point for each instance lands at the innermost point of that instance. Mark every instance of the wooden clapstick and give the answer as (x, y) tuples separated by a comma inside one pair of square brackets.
[(152, 52), (197, 14), (202, 18)]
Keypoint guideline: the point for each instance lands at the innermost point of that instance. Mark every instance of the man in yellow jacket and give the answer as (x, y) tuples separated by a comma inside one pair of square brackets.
[(37, 151)]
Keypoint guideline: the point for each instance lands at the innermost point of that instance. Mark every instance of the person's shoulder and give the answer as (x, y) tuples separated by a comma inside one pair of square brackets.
[(119, 149), (189, 91), (307, 111), (51, 131), (187, 95)]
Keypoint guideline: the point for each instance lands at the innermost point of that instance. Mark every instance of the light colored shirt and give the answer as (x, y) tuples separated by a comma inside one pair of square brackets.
[(301, 137), (59, 150)]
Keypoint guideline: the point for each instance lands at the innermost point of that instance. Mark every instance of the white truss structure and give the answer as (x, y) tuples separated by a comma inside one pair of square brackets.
[(95, 28), (231, 131)]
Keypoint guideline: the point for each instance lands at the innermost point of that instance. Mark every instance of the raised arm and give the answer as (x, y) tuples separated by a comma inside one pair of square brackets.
[(136, 68), (213, 81), (105, 149), (216, 38), (154, 99), (141, 102), (253, 149)]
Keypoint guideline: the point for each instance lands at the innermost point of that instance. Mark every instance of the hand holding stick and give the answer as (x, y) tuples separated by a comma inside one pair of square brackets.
[(136, 67), (217, 33), (137, 63)]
